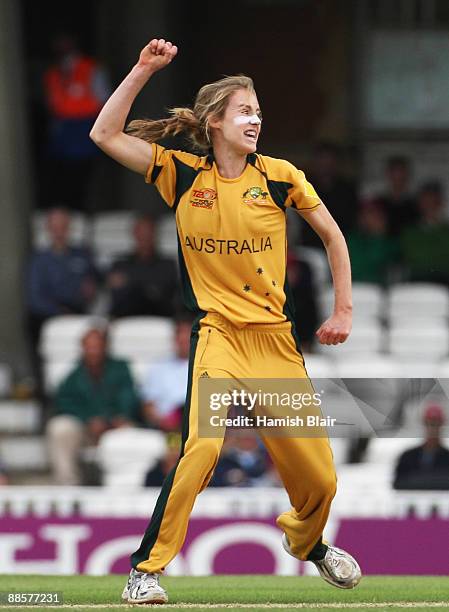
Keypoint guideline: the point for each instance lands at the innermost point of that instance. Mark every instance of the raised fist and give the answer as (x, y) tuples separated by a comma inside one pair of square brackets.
[(157, 54)]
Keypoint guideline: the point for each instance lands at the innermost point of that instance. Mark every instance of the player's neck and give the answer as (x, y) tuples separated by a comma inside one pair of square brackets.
[(230, 164)]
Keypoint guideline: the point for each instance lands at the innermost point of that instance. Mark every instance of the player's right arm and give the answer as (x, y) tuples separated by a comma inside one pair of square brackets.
[(107, 132)]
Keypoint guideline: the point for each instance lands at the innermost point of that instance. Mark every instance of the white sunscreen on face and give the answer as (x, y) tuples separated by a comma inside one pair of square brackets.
[(251, 119)]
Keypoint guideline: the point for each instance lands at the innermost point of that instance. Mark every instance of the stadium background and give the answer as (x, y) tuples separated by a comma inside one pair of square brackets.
[(367, 75)]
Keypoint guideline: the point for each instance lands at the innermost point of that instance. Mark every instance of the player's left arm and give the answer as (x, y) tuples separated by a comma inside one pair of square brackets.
[(337, 327)]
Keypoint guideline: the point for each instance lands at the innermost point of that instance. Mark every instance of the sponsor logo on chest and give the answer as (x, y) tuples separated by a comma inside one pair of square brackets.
[(203, 198)]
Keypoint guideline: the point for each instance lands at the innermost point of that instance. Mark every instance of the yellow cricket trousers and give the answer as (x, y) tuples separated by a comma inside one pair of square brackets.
[(305, 464)]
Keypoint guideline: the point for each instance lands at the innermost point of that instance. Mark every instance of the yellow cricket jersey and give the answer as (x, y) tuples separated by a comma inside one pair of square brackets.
[(232, 232)]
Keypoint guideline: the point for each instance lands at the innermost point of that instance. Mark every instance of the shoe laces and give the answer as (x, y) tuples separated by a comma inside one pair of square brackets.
[(339, 564), (150, 580)]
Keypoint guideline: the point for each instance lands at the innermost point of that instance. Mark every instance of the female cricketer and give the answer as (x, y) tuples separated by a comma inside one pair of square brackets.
[(230, 207)]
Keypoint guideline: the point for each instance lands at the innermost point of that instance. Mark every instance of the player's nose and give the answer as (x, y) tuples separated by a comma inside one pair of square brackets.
[(254, 120)]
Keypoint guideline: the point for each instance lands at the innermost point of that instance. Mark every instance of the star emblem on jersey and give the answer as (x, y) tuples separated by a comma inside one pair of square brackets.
[(247, 288), (273, 283), (259, 270), (255, 194), (268, 308)]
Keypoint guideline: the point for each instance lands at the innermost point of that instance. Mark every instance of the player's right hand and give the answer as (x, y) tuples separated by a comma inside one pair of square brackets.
[(157, 54)]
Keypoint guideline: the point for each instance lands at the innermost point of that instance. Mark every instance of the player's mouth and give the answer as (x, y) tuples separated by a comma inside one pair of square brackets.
[(251, 134)]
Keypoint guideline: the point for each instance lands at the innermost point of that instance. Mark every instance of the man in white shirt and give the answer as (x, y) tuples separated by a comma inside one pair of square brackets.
[(164, 389)]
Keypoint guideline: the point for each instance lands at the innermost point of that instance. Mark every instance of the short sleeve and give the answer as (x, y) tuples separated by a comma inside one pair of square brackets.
[(302, 195), (172, 172), (162, 173)]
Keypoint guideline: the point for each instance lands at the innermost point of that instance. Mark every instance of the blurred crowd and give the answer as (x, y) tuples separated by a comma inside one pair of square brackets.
[(397, 234)]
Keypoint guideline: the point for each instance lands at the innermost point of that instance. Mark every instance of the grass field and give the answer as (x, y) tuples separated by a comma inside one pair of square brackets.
[(240, 592)]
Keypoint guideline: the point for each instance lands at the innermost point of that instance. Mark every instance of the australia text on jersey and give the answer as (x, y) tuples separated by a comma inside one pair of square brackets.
[(226, 247)]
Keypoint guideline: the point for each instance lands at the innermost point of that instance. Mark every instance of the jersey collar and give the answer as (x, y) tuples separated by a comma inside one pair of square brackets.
[(251, 158)]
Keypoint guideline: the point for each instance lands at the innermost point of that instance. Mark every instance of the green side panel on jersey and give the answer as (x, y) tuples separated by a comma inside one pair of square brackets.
[(185, 176), (279, 192), (188, 294), (290, 312)]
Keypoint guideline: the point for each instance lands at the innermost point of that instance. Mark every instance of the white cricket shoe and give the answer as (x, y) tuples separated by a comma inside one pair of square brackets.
[(143, 588), (337, 568), (125, 592)]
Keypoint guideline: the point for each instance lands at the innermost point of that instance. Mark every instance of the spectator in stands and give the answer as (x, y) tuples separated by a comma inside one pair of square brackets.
[(4, 478), (426, 466), (243, 462), (164, 389), (75, 88), (97, 395), (62, 279), (156, 476), (373, 251), (300, 278), (425, 245), (142, 283), (338, 192), (398, 202)]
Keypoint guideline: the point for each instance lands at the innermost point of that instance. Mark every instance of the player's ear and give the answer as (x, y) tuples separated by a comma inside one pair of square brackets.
[(214, 121)]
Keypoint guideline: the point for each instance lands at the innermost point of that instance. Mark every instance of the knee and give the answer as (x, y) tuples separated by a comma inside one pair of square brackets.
[(326, 485), (63, 427), (205, 451)]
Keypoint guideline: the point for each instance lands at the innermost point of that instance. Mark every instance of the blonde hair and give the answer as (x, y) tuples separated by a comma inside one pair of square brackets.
[(212, 99)]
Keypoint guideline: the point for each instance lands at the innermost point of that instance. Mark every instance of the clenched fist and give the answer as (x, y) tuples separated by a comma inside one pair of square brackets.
[(157, 54), (335, 330)]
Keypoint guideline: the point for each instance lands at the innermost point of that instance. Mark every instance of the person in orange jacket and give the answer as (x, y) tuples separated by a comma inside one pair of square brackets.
[(75, 88)]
